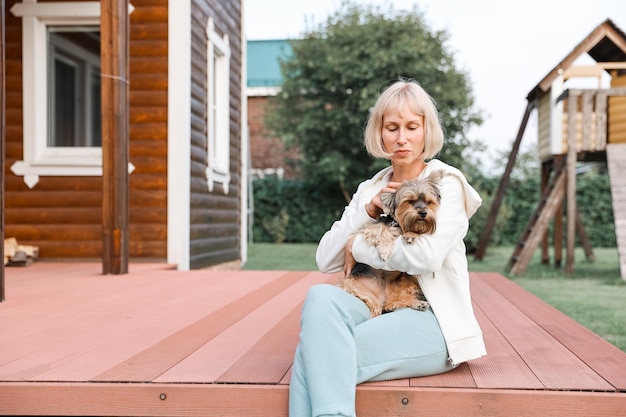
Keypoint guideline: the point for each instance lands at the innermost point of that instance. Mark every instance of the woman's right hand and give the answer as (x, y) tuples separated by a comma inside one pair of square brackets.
[(375, 207)]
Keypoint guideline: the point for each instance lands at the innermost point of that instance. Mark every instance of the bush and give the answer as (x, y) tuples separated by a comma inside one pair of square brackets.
[(593, 199), (293, 211)]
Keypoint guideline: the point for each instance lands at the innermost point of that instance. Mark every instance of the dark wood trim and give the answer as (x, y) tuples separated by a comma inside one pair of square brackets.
[(114, 32), (2, 139)]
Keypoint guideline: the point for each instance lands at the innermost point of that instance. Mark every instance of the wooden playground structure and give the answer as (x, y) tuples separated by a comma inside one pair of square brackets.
[(574, 125)]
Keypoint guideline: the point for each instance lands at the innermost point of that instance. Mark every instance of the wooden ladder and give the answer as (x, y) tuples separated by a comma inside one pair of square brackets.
[(551, 199)]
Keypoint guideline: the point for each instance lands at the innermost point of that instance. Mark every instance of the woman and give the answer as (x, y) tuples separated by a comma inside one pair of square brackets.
[(340, 344)]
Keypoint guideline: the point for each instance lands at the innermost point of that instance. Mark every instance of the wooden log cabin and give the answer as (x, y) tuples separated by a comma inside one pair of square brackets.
[(186, 103), (574, 125)]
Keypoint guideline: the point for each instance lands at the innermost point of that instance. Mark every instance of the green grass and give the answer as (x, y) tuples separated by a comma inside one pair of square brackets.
[(594, 295), (281, 257)]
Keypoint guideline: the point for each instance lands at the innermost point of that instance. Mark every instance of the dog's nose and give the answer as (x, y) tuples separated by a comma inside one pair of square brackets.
[(422, 213)]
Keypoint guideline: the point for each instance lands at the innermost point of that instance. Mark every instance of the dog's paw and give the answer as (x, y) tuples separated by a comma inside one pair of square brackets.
[(410, 237), (384, 252), (421, 305), (376, 312)]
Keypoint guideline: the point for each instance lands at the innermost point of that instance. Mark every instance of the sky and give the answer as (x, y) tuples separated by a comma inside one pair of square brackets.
[(506, 47)]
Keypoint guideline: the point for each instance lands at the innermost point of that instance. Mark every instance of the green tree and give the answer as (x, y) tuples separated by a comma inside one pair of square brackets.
[(336, 73)]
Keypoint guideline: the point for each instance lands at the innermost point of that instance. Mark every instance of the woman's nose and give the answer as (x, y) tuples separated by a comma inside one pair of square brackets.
[(401, 136)]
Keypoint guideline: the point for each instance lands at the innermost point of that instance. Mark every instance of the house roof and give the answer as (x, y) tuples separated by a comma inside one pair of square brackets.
[(263, 62), (606, 43)]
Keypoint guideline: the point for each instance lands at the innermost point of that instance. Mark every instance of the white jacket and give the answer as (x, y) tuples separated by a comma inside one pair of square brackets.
[(439, 260)]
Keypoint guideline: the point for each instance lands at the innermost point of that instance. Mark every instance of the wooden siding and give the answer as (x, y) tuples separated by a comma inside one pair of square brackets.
[(594, 122), (617, 113), (63, 215), (215, 216), (586, 137), (544, 111)]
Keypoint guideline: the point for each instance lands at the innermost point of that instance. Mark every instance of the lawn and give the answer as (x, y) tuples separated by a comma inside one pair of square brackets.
[(594, 295)]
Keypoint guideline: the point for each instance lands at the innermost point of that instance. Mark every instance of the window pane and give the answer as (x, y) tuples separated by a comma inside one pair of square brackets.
[(64, 111), (74, 86), (96, 125)]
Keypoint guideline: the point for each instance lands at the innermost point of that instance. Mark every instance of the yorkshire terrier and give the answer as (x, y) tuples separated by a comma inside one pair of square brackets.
[(409, 212)]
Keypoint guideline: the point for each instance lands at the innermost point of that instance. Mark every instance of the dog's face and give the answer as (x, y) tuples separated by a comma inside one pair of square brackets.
[(415, 204)]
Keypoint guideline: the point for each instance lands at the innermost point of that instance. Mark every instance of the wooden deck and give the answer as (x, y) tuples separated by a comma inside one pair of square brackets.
[(158, 342)]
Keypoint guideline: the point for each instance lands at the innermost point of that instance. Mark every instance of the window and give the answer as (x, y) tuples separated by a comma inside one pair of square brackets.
[(61, 89), (218, 109), (74, 86)]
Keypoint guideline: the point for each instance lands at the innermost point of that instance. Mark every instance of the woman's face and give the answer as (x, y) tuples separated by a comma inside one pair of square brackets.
[(403, 135)]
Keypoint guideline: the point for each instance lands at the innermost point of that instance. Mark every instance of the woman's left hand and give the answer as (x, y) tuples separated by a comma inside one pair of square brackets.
[(349, 260)]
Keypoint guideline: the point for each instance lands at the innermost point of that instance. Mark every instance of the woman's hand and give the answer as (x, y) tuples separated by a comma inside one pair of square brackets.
[(375, 207), (349, 260)]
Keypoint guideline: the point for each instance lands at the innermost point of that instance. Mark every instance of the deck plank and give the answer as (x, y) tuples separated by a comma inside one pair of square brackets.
[(269, 360), (502, 367), (554, 365), (100, 334), (461, 377), (215, 358), (222, 342), (160, 357), (127, 335), (603, 357)]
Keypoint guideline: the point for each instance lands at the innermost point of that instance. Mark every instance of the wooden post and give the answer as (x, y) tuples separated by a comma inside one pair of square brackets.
[(2, 138), (546, 169), (504, 181), (114, 24), (572, 107)]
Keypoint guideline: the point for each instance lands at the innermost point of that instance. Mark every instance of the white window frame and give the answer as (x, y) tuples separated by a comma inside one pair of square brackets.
[(218, 109), (39, 159)]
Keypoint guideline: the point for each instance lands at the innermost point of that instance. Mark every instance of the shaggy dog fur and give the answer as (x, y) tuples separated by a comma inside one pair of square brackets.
[(409, 212)]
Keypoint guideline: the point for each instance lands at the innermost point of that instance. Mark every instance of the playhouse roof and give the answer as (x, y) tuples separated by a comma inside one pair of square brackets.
[(606, 43)]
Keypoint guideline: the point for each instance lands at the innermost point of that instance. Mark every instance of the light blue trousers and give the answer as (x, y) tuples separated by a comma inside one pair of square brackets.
[(342, 346)]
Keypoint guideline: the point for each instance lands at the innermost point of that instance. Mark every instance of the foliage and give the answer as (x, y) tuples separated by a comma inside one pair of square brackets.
[(336, 73), (293, 210), (593, 199), (331, 81)]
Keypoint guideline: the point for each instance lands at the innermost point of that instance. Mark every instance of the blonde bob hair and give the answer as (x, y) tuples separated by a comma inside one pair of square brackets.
[(400, 93)]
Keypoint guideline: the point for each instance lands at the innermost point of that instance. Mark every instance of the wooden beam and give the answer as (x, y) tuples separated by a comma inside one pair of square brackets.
[(546, 168), (572, 108), (2, 139), (584, 238), (553, 201), (114, 27), (558, 236), (504, 181)]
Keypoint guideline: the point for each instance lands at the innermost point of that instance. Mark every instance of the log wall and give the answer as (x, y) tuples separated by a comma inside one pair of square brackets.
[(63, 215), (215, 216)]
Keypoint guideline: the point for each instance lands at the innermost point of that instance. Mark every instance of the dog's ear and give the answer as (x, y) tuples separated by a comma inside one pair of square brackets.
[(389, 202), (435, 182), (437, 193), (436, 176)]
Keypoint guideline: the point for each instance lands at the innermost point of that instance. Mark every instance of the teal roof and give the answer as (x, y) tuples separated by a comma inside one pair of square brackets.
[(263, 66)]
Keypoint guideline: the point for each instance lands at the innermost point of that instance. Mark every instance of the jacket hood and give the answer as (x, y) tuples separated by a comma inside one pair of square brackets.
[(472, 198)]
